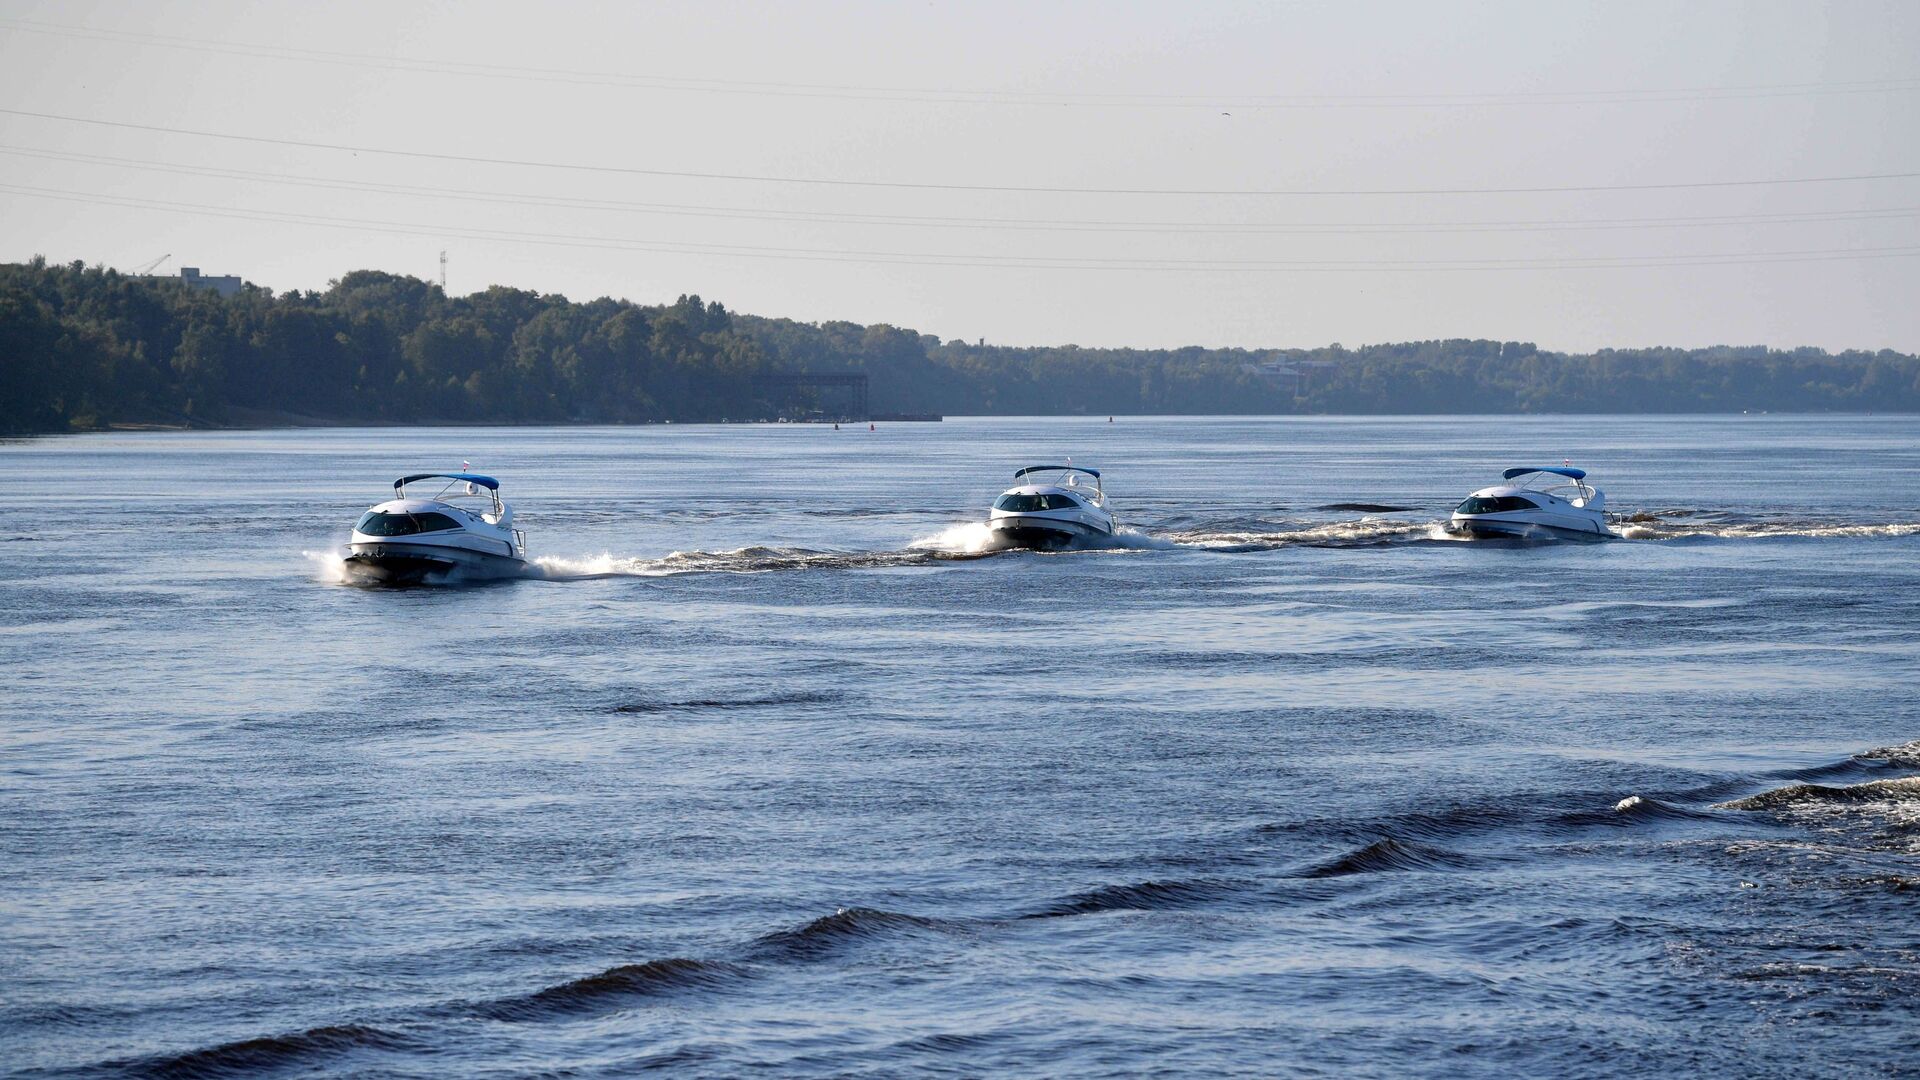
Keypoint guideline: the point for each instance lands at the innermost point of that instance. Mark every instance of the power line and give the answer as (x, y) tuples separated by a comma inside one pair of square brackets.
[(965, 96), (986, 262), (508, 198), (468, 159)]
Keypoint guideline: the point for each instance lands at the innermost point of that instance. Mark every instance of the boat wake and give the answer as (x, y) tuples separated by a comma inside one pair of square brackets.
[(746, 560), (1365, 532), (1265, 872), (973, 540), (1889, 805), (1715, 525), (1664, 525), (961, 542)]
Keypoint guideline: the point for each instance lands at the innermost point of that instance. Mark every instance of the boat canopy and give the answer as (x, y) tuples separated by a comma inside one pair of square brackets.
[(1056, 468), (1576, 474), (487, 482)]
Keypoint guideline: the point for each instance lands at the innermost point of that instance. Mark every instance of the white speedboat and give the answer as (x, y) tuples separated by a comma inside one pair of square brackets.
[(1536, 503), (1064, 512), (464, 531)]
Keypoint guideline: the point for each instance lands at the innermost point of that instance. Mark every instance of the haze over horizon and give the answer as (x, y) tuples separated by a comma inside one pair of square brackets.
[(1578, 176)]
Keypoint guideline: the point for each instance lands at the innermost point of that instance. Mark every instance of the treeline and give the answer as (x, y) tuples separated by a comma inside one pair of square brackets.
[(84, 347)]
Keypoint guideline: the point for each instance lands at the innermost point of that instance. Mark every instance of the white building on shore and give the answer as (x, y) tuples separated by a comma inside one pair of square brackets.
[(190, 276)]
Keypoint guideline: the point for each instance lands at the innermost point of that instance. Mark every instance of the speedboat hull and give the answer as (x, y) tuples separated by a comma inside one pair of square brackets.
[(1040, 534), (1517, 527), (390, 563)]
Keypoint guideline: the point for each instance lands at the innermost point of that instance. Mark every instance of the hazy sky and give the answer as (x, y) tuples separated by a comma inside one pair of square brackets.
[(1260, 174)]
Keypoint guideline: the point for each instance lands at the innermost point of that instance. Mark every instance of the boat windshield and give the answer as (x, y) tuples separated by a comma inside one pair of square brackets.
[(1504, 504), (376, 523), (1027, 504)]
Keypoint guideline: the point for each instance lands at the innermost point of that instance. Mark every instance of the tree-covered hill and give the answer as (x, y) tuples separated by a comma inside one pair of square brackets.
[(84, 347)]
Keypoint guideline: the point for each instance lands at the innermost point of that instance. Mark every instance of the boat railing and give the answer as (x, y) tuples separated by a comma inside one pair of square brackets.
[(1070, 479), (1561, 487), (1092, 494), (458, 492)]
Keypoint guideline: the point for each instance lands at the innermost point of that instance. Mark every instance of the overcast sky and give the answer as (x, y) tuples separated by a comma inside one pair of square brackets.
[(1259, 174)]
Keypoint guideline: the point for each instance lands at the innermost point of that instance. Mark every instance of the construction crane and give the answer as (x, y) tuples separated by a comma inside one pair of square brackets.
[(152, 266)]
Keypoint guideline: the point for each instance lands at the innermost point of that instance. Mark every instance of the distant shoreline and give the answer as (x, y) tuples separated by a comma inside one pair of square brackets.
[(91, 349), (291, 422)]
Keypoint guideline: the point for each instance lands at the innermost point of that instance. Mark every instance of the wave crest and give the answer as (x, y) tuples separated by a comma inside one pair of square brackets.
[(1638, 808), (704, 704), (1906, 755), (595, 992), (1823, 796), (273, 1052), (1389, 855), (828, 933), (1140, 896)]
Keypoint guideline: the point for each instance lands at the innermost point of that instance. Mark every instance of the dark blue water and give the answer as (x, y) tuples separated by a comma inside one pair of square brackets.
[(765, 772)]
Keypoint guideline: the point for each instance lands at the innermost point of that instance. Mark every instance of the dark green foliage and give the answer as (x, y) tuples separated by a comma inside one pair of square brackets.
[(82, 348)]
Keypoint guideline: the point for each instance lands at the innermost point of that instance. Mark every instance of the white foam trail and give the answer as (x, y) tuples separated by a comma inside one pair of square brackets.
[(970, 538), (329, 567), (1132, 538), (1666, 530), (746, 560), (1367, 530), (588, 567), (609, 565)]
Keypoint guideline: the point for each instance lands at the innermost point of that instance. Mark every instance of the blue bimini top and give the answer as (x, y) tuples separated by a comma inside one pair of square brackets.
[(1056, 468), (487, 482)]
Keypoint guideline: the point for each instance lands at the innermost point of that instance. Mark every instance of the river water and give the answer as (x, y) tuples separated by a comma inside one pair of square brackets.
[(765, 770)]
